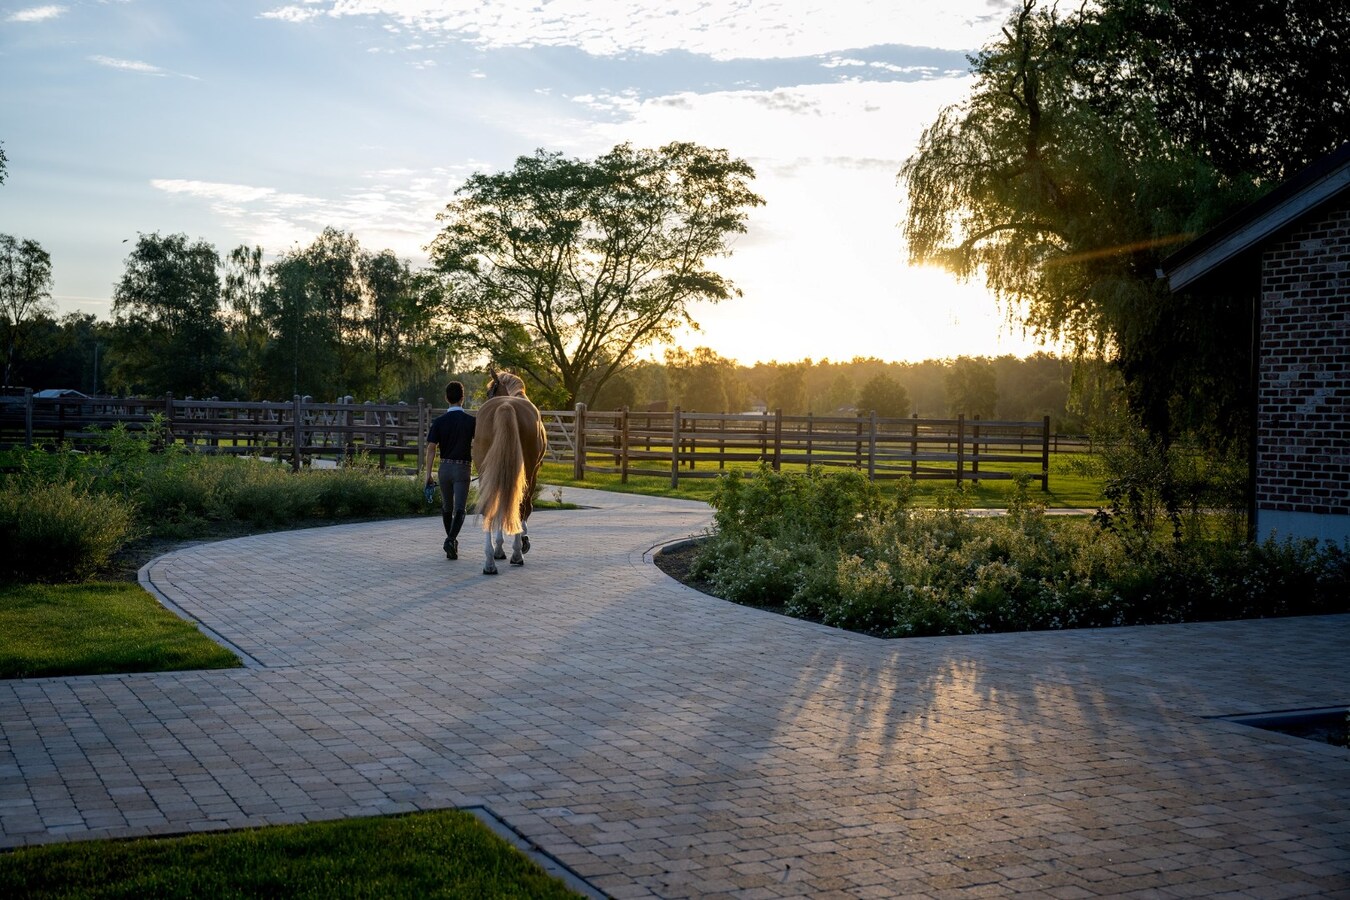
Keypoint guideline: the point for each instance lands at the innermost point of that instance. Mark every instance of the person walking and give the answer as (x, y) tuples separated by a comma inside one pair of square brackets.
[(451, 439)]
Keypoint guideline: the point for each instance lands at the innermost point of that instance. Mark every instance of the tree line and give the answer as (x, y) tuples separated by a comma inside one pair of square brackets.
[(561, 269), (327, 320), (1005, 387)]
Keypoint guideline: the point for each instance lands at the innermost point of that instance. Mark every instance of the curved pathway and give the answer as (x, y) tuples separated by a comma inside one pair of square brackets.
[(664, 743)]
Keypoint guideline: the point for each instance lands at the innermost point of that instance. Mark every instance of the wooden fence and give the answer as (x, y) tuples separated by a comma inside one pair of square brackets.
[(676, 444), (298, 430), (703, 445)]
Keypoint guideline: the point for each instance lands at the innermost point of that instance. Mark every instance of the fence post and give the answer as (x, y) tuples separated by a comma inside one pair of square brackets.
[(857, 444), (810, 421), (296, 417), (419, 438), (975, 456), (914, 448), (623, 447), (764, 435), (693, 441), (960, 447), (778, 439), (1045, 454), (722, 441), (349, 430), (579, 429), (872, 445), (380, 423), (28, 418), (675, 448), (168, 418)]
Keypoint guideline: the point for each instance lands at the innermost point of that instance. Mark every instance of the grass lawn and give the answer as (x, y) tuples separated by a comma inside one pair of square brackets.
[(96, 628), (1068, 487), (435, 854)]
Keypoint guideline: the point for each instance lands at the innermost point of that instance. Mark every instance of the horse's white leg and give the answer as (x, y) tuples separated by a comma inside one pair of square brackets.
[(517, 551), (524, 538), (489, 567), (500, 552)]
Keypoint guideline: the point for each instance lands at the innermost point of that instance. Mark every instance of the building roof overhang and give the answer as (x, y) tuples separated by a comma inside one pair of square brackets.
[(1252, 225)]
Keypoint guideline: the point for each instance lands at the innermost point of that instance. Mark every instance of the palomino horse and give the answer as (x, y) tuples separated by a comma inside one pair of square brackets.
[(509, 443)]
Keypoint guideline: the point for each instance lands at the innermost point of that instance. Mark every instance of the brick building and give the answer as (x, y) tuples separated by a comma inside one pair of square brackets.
[(1290, 252)]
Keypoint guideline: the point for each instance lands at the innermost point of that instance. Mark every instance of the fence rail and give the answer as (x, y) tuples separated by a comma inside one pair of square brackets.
[(298, 430), (675, 444), (682, 444)]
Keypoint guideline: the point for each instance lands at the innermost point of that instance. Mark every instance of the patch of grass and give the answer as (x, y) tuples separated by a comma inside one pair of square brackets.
[(436, 854), (97, 628), (1072, 486)]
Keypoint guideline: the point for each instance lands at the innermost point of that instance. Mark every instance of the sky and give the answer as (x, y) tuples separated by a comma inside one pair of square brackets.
[(261, 123)]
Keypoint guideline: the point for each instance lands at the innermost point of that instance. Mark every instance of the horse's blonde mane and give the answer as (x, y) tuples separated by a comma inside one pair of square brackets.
[(512, 385)]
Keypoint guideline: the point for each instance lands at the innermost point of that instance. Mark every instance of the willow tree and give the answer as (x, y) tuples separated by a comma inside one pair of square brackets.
[(1086, 152), (590, 260)]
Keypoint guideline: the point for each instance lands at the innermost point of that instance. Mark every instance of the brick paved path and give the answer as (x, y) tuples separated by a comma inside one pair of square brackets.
[(664, 743)]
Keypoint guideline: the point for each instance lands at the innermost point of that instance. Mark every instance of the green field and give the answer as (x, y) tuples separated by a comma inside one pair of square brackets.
[(1069, 488)]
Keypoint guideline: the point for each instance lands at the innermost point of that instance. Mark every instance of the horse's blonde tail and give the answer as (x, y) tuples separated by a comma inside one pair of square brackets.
[(501, 475)]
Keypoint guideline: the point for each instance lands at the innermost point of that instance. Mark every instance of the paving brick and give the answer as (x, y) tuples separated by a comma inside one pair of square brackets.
[(664, 743)]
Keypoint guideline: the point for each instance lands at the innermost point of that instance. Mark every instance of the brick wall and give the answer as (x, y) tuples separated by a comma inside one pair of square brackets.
[(1303, 416)]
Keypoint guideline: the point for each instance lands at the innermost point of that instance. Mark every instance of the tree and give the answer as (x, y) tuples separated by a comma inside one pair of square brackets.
[(703, 381), (3, 162), (593, 259), (429, 351), (66, 352), (25, 291), (885, 396), (314, 310), (787, 390), (1259, 87), (842, 393), (169, 334), (971, 388), (245, 287), (1090, 147)]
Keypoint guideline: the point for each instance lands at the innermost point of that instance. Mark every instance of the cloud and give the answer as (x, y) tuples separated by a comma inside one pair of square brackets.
[(128, 65), (743, 29), (391, 209), (211, 190), (132, 65), (292, 14), (36, 14)]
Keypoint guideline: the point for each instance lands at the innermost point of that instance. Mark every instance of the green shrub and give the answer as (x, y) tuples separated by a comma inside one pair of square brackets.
[(59, 532), (269, 494), (832, 548), (359, 489), (190, 486), (86, 504)]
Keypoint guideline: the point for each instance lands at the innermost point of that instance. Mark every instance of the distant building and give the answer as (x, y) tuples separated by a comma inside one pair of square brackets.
[(1291, 251), (53, 393)]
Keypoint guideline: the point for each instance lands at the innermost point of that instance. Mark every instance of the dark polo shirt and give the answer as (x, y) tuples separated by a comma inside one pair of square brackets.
[(453, 431)]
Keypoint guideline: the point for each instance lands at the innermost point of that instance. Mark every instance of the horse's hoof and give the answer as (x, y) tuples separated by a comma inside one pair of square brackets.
[(517, 561), (489, 570), (525, 544), (499, 554)]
